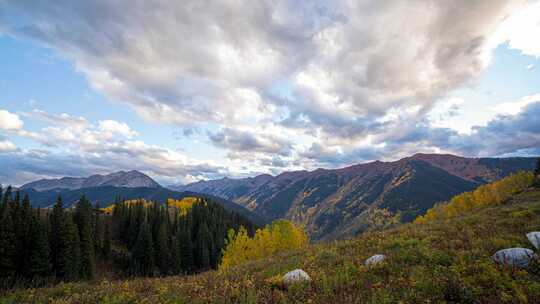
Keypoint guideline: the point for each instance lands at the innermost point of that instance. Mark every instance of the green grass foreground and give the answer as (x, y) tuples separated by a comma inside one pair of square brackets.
[(444, 261)]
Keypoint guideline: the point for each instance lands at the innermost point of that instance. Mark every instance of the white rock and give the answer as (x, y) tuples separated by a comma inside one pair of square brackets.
[(376, 259), (534, 238), (297, 275), (519, 257)]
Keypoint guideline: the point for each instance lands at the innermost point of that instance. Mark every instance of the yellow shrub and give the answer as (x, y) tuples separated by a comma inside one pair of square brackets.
[(485, 195)]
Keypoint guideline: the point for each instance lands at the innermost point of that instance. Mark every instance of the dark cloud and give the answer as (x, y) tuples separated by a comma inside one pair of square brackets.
[(248, 142)]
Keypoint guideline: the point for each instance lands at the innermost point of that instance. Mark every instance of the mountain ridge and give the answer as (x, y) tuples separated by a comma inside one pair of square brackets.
[(334, 203), (129, 179)]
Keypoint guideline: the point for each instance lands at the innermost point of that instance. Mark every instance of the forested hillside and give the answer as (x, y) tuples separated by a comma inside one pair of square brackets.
[(131, 238)]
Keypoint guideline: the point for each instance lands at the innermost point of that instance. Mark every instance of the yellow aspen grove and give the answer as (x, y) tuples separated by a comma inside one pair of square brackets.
[(485, 195), (281, 235)]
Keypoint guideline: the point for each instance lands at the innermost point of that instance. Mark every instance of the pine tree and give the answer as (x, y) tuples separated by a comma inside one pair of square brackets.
[(8, 241), (537, 170), (38, 261), (203, 248), (186, 250), (83, 217), (70, 252), (106, 251), (163, 256), (176, 259), (143, 252), (98, 232), (25, 236), (57, 225)]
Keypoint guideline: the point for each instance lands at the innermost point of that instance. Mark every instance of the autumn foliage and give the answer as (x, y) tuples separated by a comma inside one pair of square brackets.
[(279, 236), (487, 195)]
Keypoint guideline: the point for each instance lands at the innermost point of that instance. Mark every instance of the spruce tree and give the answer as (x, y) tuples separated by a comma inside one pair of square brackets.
[(38, 262), (70, 251), (8, 241), (143, 252), (106, 251), (163, 256), (186, 250), (25, 237), (56, 227), (203, 248), (83, 217)]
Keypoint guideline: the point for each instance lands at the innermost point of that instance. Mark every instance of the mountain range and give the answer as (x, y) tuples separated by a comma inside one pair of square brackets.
[(129, 179), (330, 204), (335, 203)]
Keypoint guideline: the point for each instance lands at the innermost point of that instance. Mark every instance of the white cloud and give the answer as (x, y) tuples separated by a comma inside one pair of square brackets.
[(10, 121), (522, 29), (513, 108), (7, 146), (282, 83), (115, 127)]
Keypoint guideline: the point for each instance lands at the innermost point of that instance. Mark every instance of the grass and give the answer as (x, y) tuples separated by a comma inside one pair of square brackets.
[(444, 261)]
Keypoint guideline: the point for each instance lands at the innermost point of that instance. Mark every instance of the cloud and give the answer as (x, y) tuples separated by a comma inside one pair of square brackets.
[(521, 28), (10, 121), (85, 148), (250, 142), (220, 63), (7, 146), (282, 83), (115, 127)]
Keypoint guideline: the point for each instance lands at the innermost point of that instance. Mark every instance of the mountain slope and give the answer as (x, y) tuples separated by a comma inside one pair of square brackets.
[(106, 195), (129, 179), (334, 203), (439, 262)]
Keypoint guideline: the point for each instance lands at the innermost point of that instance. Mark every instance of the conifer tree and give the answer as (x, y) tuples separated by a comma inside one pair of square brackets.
[(163, 256), (38, 261), (203, 248), (106, 251), (57, 225), (537, 170), (83, 217), (24, 236), (70, 254), (8, 241), (186, 250), (143, 252)]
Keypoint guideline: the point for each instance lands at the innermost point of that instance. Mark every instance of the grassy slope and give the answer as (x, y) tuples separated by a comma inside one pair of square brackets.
[(438, 262)]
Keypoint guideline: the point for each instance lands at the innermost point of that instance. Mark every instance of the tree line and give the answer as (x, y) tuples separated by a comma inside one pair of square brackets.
[(55, 243), (173, 238), (139, 238)]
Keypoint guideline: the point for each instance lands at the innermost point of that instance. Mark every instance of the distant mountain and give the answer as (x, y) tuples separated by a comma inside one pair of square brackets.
[(227, 188), (106, 195), (130, 179), (334, 203)]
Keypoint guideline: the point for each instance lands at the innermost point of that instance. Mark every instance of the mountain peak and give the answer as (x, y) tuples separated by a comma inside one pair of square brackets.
[(129, 179)]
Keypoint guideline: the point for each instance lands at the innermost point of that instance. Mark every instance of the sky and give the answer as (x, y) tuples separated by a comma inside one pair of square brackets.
[(190, 90)]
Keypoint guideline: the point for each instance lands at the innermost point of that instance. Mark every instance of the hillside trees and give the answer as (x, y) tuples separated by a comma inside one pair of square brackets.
[(183, 236), (140, 238), (486, 195), (279, 236)]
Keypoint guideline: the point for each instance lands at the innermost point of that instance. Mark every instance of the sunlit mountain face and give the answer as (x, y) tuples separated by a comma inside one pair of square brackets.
[(186, 91)]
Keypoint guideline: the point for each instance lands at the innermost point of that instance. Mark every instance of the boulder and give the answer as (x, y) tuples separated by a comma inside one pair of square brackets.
[(297, 275), (516, 257), (376, 259), (534, 238)]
